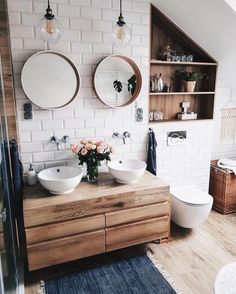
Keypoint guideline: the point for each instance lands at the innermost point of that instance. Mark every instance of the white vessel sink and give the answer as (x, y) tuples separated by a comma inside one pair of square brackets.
[(60, 179), (127, 171)]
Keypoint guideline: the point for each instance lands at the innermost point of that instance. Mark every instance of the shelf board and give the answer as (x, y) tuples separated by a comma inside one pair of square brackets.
[(161, 62), (180, 93), (177, 120)]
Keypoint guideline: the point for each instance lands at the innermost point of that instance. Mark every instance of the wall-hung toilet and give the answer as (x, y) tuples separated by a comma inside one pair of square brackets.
[(190, 206)]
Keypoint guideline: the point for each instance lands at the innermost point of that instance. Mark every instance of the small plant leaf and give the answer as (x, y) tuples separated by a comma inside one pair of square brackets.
[(132, 84), (117, 86)]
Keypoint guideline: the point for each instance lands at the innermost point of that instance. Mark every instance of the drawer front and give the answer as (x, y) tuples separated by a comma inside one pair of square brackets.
[(137, 233), (136, 214), (64, 229), (66, 249)]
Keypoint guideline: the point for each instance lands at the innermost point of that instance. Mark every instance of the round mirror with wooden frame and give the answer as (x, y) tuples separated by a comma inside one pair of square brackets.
[(50, 79), (117, 81)]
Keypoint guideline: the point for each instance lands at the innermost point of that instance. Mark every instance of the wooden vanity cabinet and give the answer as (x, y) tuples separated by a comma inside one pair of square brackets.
[(94, 219)]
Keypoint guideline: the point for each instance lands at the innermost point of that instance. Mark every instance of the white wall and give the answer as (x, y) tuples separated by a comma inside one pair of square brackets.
[(211, 23), (86, 39)]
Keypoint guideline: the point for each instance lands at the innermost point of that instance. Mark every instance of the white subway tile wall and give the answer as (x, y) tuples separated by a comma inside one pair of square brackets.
[(87, 38)]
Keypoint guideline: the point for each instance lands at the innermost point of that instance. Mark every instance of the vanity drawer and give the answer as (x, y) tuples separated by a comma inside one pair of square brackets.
[(64, 229), (137, 233), (136, 214), (66, 249)]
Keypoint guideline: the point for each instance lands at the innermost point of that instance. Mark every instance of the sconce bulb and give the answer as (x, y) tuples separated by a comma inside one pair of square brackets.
[(122, 35)]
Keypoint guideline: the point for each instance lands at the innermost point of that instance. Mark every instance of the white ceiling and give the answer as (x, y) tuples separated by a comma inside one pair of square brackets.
[(231, 3)]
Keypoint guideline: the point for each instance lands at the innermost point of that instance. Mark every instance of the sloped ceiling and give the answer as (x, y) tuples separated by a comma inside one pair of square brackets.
[(232, 4), (210, 23)]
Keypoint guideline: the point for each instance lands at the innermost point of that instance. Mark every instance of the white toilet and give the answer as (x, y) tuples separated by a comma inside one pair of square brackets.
[(190, 206)]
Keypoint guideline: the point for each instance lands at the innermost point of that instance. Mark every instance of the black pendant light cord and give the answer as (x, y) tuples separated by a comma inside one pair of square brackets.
[(121, 18), (49, 14), (120, 8)]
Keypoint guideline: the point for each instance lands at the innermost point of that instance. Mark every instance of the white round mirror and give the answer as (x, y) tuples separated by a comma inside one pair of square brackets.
[(50, 80), (117, 81)]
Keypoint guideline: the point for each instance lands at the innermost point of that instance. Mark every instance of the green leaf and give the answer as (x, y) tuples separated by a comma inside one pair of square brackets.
[(132, 84), (118, 86)]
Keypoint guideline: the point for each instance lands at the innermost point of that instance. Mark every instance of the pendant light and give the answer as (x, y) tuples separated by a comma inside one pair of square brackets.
[(121, 32), (50, 27)]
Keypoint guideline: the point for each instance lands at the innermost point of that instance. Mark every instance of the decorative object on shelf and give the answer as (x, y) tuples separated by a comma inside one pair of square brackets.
[(160, 83), (166, 88), (228, 121), (117, 81), (189, 58), (121, 32), (50, 79), (171, 55), (152, 84), (157, 115), (92, 153), (189, 79), (167, 53), (50, 27), (151, 115), (183, 58), (185, 114)]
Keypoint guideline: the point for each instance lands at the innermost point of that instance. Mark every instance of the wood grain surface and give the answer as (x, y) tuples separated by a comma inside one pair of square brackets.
[(65, 249), (90, 199)]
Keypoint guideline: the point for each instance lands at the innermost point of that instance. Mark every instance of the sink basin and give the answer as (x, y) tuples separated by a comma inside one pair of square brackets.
[(60, 179), (127, 171)]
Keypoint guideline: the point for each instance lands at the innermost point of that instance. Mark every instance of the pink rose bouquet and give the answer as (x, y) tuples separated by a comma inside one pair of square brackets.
[(92, 153)]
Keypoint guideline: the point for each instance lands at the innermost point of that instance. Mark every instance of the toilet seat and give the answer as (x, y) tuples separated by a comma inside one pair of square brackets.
[(191, 195)]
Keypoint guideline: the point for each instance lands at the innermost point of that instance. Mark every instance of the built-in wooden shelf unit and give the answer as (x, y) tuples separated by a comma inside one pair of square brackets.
[(164, 32)]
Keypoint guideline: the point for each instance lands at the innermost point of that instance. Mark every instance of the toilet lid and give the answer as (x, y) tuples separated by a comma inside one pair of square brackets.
[(191, 195)]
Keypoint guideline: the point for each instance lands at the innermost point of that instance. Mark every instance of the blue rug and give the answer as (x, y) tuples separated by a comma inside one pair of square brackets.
[(136, 275)]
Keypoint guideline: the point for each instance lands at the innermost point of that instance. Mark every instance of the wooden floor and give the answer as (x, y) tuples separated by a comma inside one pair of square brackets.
[(192, 258)]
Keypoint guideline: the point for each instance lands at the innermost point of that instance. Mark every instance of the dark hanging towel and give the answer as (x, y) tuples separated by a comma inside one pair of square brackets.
[(152, 156), (17, 178), (17, 173)]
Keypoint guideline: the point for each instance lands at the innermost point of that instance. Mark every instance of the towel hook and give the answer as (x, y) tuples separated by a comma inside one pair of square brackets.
[(150, 130)]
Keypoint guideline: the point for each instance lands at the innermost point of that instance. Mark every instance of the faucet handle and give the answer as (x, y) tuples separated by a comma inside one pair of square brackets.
[(116, 135), (54, 140), (66, 139), (126, 135)]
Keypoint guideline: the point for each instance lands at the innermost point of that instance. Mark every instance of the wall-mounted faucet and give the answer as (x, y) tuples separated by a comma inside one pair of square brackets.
[(54, 140), (123, 137)]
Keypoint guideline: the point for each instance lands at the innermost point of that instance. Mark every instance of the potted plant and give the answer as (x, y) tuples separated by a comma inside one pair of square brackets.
[(92, 153), (190, 78)]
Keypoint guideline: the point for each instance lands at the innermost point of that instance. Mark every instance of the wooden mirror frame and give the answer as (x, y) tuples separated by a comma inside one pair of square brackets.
[(74, 68), (136, 72)]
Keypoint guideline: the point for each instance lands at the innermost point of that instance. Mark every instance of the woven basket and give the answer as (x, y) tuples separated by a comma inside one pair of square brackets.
[(223, 189)]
